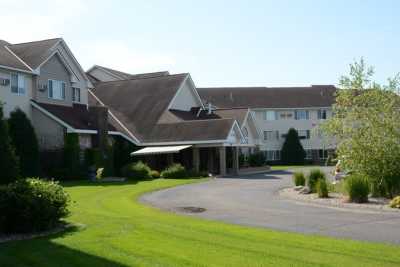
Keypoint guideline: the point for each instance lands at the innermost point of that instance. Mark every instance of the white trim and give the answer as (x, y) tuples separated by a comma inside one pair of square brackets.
[(48, 90), (80, 131), (259, 132), (115, 118), (23, 62), (18, 92), (16, 69), (69, 127), (181, 86), (123, 135), (195, 91), (235, 123)]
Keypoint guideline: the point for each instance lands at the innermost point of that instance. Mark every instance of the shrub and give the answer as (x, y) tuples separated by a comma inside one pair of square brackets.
[(174, 171), (313, 178), (357, 188), (299, 179), (292, 150), (395, 203), (71, 156), (256, 159), (136, 171), (23, 138), (9, 164), (155, 174), (122, 150), (32, 204), (322, 188)]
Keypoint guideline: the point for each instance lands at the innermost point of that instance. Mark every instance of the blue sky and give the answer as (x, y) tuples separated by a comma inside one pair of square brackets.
[(221, 43)]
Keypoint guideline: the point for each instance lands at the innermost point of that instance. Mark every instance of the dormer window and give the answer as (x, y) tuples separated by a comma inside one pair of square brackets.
[(17, 84), (56, 90), (76, 95)]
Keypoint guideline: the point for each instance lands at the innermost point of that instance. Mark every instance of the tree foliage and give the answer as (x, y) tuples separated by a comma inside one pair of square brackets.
[(72, 150), (366, 127), (23, 138), (9, 165), (292, 150)]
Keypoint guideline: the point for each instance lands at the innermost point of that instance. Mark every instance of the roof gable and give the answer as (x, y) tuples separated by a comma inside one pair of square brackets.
[(34, 53)]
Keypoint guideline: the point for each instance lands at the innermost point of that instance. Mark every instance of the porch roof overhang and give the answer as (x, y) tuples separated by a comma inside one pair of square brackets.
[(159, 150)]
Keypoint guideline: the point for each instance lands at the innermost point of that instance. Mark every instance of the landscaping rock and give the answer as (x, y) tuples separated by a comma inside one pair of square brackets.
[(305, 190)]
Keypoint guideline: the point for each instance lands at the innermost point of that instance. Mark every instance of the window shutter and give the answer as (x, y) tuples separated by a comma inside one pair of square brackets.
[(63, 90), (21, 84), (50, 92)]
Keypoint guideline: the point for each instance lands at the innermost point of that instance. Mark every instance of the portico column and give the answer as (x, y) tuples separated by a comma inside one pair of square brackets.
[(196, 159), (235, 155), (170, 159), (210, 160), (222, 161)]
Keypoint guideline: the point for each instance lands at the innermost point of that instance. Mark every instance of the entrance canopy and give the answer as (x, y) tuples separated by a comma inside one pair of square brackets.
[(154, 150)]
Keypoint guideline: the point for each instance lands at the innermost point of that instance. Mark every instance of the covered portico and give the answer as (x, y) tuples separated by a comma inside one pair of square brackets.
[(218, 159)]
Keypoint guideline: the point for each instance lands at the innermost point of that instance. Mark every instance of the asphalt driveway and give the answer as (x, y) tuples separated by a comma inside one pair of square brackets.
[(254, 201)]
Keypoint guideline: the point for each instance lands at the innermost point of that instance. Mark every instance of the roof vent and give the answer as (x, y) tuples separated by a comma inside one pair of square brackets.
[(210, 108)]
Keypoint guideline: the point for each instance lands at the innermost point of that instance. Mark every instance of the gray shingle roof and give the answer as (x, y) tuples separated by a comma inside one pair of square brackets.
[(139, 103), (34, 53), (125, 75), (269, 97), (8, 59)]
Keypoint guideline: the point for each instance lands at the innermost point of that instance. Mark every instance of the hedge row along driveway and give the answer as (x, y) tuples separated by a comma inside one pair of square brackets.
[(119, 231)]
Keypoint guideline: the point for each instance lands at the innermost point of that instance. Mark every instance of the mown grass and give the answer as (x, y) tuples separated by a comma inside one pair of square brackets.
[(120, 231)]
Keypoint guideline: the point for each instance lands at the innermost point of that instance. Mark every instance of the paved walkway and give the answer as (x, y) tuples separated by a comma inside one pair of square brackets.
[(254, 201)]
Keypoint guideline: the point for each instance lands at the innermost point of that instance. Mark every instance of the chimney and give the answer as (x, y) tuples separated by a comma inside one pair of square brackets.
[(99, 118)]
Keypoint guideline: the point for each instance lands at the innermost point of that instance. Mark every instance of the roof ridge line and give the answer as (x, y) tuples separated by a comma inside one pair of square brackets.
[(144, 78), (36, 41)]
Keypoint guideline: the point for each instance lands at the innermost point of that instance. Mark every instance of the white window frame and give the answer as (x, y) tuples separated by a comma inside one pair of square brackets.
[(267, 118), (63, 94), (21, 90), (273, 134), (308, 153), (304, 134), (307, 113), (74, 89), (321, 112)]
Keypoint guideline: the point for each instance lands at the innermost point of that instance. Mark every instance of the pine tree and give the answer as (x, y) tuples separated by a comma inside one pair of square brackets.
[(23, 138), (292, 150), (9, 165)]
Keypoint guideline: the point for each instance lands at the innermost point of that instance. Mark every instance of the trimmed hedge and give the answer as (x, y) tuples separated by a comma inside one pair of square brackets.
[(31, 204), (357, 188), (299, 179), (257, 159), (155, 174), (136, 171), (313, 178), (175, 171), (322, 188)]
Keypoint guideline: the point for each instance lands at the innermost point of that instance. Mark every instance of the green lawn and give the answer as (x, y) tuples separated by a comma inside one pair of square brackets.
[(290, 167), (119, 231)]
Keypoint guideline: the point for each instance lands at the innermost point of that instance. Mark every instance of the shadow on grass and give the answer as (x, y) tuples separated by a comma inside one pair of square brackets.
[(44, 251), (97, 183)]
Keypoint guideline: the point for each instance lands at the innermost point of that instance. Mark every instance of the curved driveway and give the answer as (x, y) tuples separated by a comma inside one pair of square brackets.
[(254, 200)]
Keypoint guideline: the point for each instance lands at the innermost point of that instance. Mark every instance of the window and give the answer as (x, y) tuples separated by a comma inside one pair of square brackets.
[(301, 114), (286, 115), (271, 135), (323, 154), (308, 154), (322, 114), (17, 83), (272, 155), (76, 94), (270, 115), (56, 90), (304, 134)]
